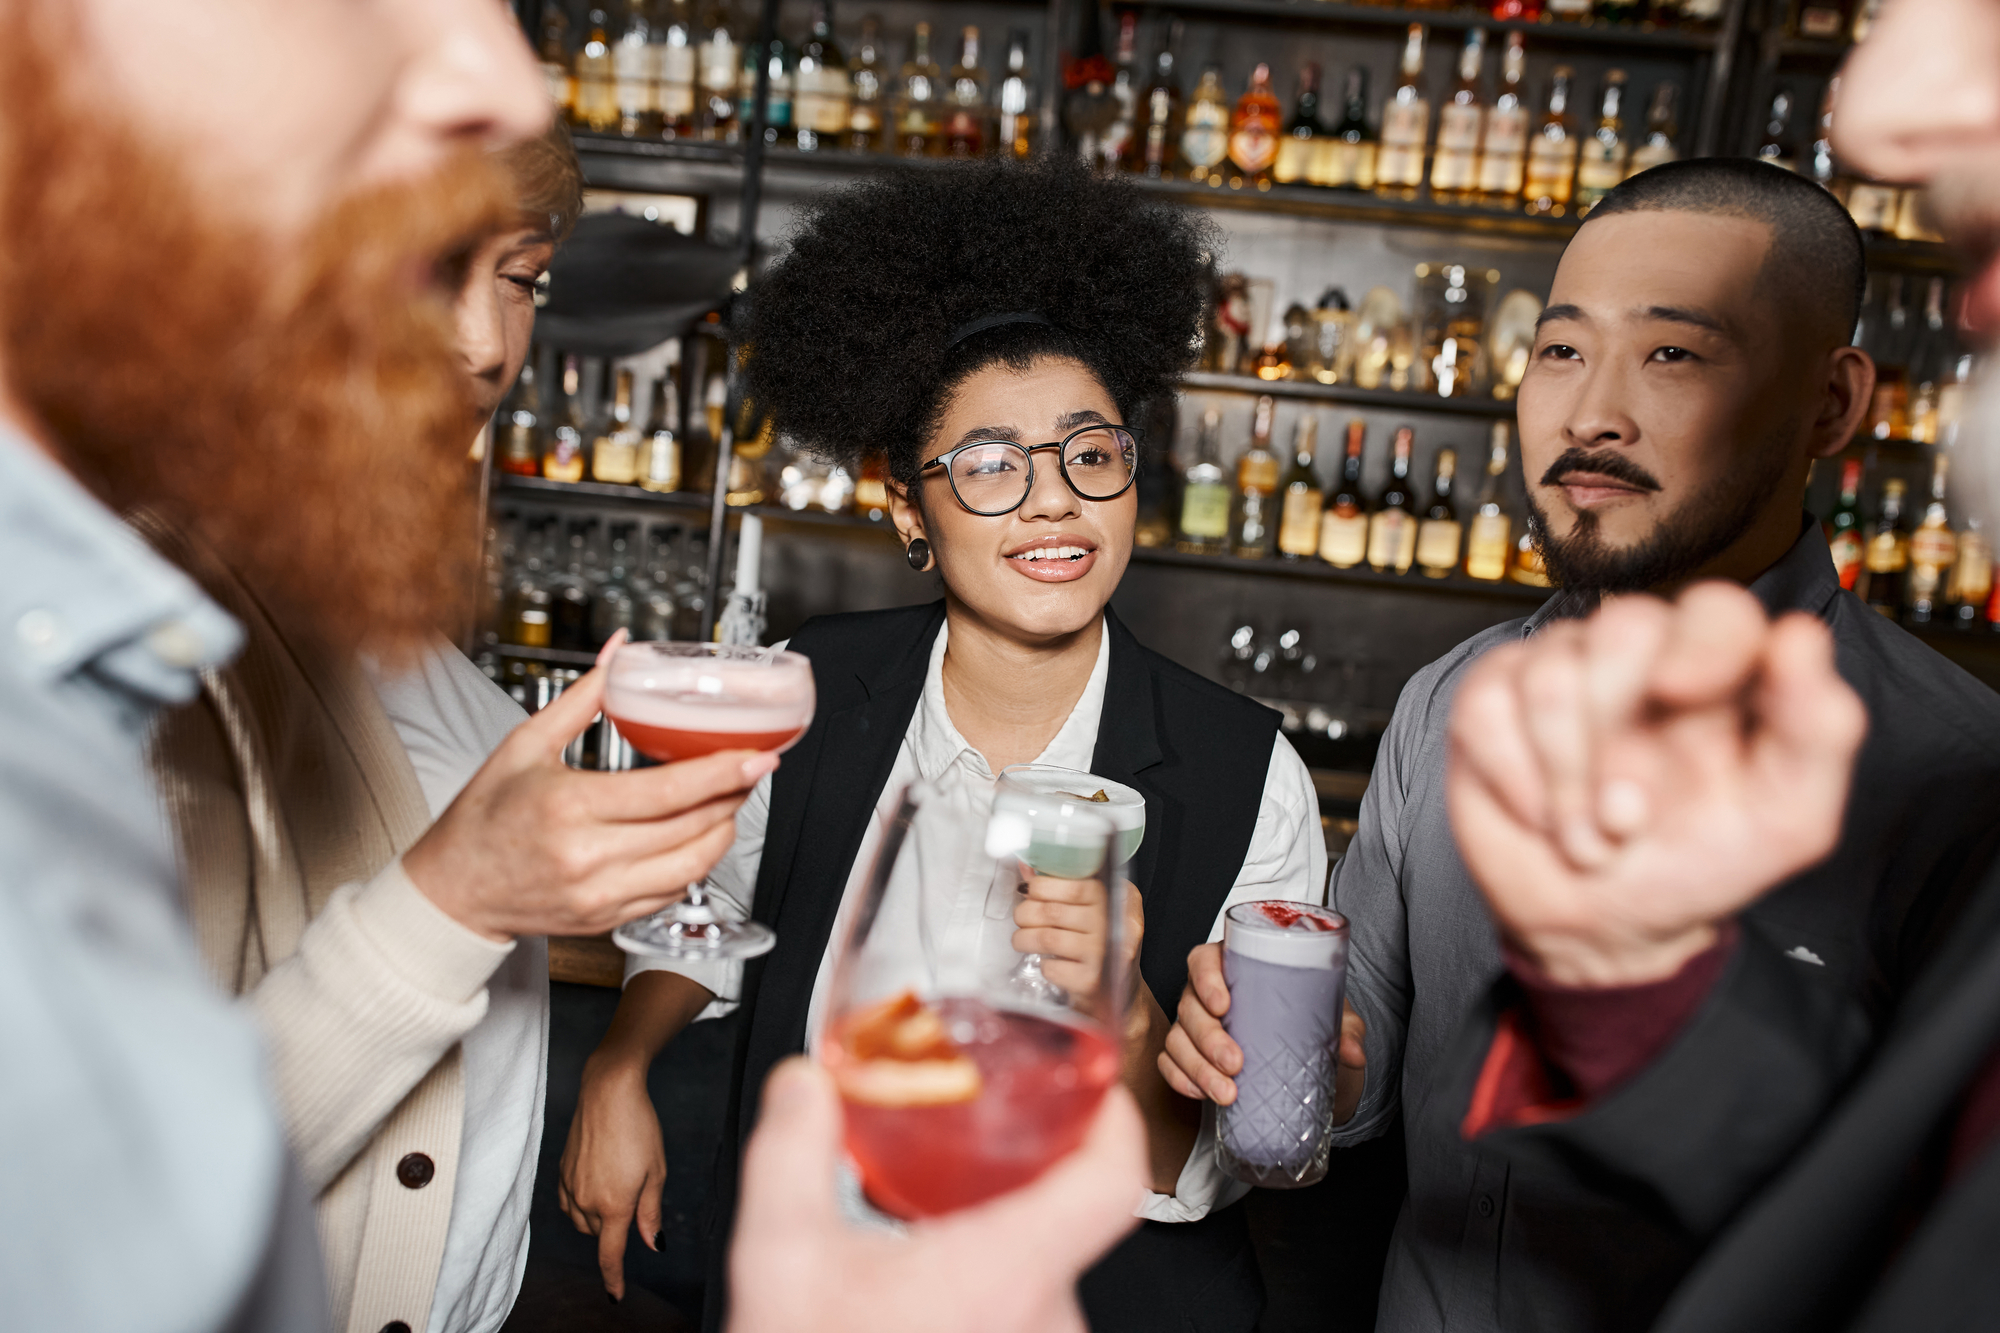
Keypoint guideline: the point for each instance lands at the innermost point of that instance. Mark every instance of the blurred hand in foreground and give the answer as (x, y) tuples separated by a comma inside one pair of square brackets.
[(534, 847), (1621, 786), (1008, 1265)]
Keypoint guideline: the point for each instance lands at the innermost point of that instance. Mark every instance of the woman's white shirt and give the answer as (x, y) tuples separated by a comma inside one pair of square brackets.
[(1286, 859), (450, 717)]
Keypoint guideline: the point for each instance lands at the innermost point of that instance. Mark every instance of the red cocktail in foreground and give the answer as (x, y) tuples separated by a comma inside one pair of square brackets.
[(666, 743), (953, 1102)]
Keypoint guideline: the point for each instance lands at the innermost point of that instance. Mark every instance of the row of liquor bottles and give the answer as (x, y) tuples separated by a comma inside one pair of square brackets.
[(1924, 572), (1922, 372), (572, 585), (1274, 509)]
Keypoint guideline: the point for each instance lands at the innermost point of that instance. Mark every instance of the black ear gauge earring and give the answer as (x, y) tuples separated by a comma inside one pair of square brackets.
[(918, 553)]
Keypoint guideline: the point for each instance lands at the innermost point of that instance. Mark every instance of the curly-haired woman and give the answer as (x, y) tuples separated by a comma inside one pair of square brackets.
[(989, 331)]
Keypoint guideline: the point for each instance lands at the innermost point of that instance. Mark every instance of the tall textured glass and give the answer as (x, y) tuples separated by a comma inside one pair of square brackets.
[(1286, 965)]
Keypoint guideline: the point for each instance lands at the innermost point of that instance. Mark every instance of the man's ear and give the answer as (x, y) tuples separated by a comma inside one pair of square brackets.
[(1844, 400)]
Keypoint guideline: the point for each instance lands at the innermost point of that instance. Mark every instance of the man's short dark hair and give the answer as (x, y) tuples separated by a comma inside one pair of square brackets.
[(1815, 264)]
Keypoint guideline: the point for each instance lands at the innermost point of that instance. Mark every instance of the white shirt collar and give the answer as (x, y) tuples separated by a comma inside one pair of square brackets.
[(938, 747)]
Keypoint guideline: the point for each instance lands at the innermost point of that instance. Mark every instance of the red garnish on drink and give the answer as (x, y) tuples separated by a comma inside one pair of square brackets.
[(1285, 916)]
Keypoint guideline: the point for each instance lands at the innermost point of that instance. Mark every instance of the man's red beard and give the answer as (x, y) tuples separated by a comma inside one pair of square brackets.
[(299, 407)]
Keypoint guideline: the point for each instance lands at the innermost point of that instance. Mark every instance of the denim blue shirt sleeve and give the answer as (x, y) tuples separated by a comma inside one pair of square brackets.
[(144, 1181)]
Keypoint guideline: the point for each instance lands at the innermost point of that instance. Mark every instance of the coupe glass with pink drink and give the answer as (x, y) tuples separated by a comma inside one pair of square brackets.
[(681, 701), (958, 1085)]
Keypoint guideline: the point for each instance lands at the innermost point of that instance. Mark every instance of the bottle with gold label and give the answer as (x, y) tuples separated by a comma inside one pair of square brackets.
[(1406, 123), (1933, 550), (1528, 567), (865, 116), (660, 461), (1160, 111), (1503, 145), (918, 98), (1551, 172), (614, 455), (563, 459), (1204, 527), (1488, 541), (1886, 558), (1439, 533), (1971, 583), (1343, 528), (1205, 134), (1255, 520), (1295, 149), (520, 451), (966, 130), (822, 89), (1662, 129), (1392, 528), (1253, 130), (1843, 526), (1346, 157), (1455, 166), (1600, 162), (596, 78), (1299, 519)]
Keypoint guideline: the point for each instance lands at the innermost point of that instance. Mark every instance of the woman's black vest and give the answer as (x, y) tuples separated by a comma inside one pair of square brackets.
[(1199, 753)]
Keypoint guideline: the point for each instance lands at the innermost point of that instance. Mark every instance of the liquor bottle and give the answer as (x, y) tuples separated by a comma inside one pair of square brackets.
[(1406, 123), (1253, 131), (1776, 146), (866, 118), (1488, 543), (778, 90), (660, 445), (520, 451), (1299, 519), (1438, 532), (1970, 589), (636, 75), (1569, 11), (570, 593), (1392, 528), (966, 134), (596, 80), (526, 619), (614, 455), (552, 47), (1089, 109), (715, 75), (1160, 113), (1933, 548), (1205, 138), (917, 97), (563, 459), (1346, 158), (1887, 340), (1843, 526), (673, 70), (1295, 147), (1156, 483), (1886, 562), (1205, 494), (1503, 148), (1662, 128), (1823, 19), (1455, 166), (1016, 103), (1343, 528), (1528, 567), (1120, 140), (1600, 162), (822, 89), (1552, 152), (1930, 366), (1251, 530)]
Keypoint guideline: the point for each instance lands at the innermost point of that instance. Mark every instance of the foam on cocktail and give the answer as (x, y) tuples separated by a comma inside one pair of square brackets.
[(1038, 790), (698, 712)]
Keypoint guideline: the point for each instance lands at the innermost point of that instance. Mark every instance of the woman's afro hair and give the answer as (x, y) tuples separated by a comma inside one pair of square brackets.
[(849, 332)]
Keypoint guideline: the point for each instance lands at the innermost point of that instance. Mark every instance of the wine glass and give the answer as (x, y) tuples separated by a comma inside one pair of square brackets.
[(1042, 793), (683, 700), (958, 1085)]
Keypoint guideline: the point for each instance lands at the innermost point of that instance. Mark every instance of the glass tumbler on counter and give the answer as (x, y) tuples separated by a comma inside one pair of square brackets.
[(957, 1084), (1286, 966)]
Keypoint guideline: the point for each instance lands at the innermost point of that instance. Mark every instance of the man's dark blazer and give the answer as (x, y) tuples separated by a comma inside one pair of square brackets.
[(1200, 755)]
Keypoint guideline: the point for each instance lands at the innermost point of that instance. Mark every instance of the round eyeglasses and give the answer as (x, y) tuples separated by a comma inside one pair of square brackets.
[(993, 477)]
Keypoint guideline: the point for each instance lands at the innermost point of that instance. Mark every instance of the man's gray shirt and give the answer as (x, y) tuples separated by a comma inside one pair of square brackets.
[(144, 1181), (1478, 1247)]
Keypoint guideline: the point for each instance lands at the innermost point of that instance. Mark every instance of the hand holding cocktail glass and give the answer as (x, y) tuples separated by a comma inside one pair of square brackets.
[(1061, 904)]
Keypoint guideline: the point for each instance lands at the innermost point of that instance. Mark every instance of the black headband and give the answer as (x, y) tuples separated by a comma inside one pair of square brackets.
[(985, 322)]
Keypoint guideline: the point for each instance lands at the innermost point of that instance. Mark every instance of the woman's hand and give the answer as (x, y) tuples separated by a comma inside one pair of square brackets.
[(614, 1165), (1064, 921)]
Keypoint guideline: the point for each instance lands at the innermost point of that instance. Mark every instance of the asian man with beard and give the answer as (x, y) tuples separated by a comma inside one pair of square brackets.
[(1693, 360)]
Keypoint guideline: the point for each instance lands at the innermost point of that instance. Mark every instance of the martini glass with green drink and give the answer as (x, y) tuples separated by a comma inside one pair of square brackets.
[(1060, 806)]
